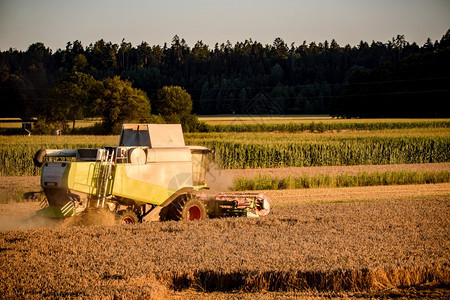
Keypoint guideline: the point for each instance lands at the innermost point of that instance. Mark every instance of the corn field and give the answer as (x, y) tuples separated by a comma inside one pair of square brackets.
[(352, 151), (338, 125), (17, 152), (261, 150)]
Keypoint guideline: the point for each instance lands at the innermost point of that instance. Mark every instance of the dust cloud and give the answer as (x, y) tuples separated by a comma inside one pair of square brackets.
[(218, 180), (8, 223), (22, 216)]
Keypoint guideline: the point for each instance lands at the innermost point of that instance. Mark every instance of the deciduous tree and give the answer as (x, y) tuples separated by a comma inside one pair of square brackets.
[(119, 103), (71, 96), (172, 100)]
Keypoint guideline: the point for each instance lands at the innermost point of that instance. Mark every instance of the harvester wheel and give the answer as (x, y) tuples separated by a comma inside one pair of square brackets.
[(128, 217), (193, 209)]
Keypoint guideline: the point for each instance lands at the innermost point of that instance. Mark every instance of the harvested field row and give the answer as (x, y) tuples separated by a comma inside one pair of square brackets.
[(358, 194), (336, 170), (364, 246)]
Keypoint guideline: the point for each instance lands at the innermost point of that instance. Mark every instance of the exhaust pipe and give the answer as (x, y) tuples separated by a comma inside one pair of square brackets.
[(39, 157)]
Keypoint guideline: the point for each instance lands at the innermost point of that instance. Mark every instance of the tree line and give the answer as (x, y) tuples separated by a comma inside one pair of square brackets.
[(392, 79)]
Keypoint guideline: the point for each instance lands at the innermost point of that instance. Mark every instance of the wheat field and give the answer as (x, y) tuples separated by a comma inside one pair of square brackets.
[(335, 247)]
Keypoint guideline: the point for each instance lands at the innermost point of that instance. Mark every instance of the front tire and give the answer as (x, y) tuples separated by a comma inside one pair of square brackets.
[(184, 208), (193, 209)]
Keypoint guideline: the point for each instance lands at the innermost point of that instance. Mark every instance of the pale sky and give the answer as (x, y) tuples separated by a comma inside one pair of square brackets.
[(56, 22)]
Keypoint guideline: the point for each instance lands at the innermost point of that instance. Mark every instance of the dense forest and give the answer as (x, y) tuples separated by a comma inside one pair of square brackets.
[(392, 79)]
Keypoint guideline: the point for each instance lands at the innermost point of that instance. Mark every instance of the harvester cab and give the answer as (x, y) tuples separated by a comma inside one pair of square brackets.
[(152, 175)]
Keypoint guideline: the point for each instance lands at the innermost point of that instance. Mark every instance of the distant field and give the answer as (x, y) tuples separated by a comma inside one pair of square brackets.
[(17, 123), (10, 123), (262, 119), (86, 122), (295, 119)]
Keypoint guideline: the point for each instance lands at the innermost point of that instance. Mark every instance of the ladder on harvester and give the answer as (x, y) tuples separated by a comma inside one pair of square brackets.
[(104, 176)]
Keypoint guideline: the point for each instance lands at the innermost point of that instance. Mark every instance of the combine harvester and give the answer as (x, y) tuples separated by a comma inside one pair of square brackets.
[(150, 176)]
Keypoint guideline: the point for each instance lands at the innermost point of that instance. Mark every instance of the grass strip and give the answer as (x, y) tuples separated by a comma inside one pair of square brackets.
[(264, 182)]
